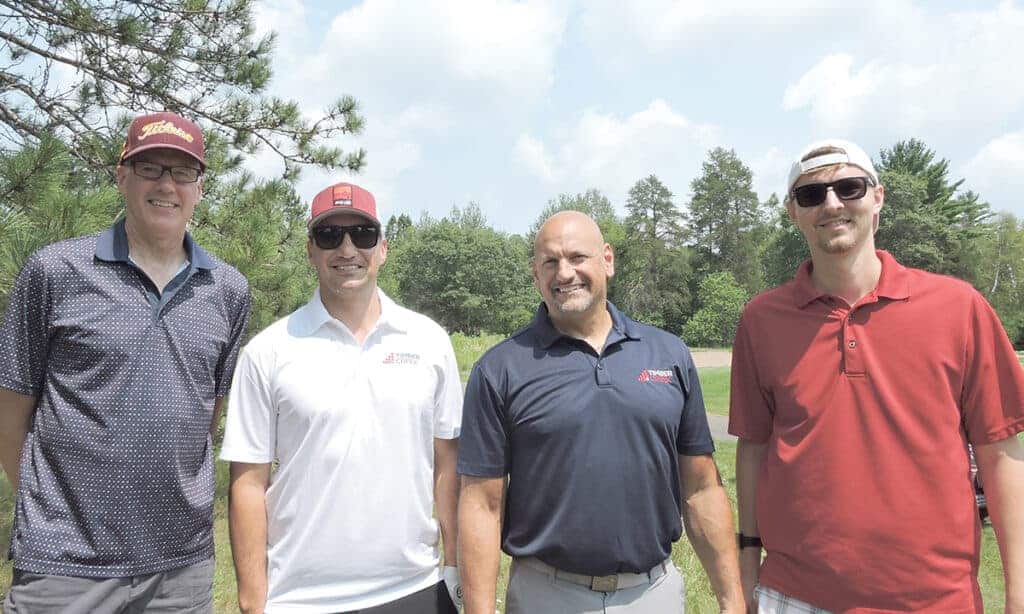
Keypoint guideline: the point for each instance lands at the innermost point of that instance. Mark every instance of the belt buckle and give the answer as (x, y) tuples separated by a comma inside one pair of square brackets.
[(604, 584)]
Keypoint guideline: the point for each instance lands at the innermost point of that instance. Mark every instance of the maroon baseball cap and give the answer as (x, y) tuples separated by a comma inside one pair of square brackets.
[(343, 198), (164, 130)]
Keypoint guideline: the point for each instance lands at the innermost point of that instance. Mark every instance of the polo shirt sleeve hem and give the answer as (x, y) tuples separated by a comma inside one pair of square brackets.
[(697, 450), (19, 387), (1000, 434), (480, 471), (447, 434), (243, 456), (748, 436)]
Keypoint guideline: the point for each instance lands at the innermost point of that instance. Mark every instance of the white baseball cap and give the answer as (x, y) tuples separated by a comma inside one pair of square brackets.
[(848, 153)]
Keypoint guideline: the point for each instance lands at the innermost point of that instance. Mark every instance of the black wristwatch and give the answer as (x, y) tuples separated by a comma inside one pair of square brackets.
[(749, 541)]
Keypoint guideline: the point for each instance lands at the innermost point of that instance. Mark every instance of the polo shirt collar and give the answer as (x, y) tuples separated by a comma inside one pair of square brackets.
[(547, 334), (314, 315), (112, 246), (893, 283)]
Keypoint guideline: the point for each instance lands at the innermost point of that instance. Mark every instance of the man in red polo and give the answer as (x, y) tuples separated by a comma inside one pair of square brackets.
[(856, 388)]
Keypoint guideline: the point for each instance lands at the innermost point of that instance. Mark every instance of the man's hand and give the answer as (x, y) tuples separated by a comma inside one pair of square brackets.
[(750, 566), (450, 575)]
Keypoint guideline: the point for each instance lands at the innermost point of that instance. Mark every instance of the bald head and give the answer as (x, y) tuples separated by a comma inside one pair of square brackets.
[(570, 224)]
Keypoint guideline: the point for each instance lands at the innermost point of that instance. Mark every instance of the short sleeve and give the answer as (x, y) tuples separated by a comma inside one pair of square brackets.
[(250, 432), (448, 397), (694, 437), (750, 415), (25, 331), (483, 445), (993, 391), (240, 320)]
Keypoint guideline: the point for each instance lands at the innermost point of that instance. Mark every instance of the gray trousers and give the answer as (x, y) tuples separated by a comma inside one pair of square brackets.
[(188, 590), (532, 590)]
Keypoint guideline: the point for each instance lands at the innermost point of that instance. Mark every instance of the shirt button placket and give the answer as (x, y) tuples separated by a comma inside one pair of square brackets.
[(852, 351)]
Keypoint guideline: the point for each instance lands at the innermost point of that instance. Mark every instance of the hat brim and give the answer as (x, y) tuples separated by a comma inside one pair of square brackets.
[(338, 211), (145, 148)]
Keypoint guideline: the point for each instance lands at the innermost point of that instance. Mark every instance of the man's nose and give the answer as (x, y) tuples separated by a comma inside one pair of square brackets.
[(832, 200), (566, 270)]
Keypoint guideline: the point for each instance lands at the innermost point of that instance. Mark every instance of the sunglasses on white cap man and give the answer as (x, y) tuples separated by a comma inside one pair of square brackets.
[(822, 154)]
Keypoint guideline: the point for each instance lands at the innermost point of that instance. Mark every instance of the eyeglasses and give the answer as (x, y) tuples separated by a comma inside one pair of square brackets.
[(849, 188), (329, 236), (154, 171)]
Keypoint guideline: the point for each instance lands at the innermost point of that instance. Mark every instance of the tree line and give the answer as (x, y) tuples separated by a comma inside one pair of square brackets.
[(690, 266), (686, 267)]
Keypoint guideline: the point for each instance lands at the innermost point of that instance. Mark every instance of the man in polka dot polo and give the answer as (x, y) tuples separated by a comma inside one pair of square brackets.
[(116, 353), (342, 435)]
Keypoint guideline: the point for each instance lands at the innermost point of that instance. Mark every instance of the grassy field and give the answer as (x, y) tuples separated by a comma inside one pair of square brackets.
[(715, 383)]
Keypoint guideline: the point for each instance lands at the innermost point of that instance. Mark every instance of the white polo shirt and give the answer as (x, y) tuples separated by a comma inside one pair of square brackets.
[(350, 505)]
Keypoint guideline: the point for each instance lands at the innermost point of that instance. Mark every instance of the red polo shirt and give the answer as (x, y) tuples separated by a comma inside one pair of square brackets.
[(864, 501)]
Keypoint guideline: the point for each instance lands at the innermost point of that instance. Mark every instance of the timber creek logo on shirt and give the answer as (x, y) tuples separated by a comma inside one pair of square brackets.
[(401, 358), (164, 127), (655, 375)]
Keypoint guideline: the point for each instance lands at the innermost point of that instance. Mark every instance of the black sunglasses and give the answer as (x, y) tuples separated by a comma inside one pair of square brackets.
[(850, 188), (329, 236)]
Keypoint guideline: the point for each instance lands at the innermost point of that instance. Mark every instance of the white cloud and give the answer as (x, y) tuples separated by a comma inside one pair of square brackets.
[(477, 51), (908, 86), (997, 172), (611, 153), (532, 154), (770, 170), (660, 25)]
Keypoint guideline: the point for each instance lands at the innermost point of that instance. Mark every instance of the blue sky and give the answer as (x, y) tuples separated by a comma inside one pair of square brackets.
[(508, 104)]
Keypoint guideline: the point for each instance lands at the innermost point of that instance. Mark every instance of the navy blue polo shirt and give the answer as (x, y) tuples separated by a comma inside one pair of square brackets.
[(590, 442), (116, 474)]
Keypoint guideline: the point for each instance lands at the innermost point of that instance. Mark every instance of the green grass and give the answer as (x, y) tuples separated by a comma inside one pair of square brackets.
[(714, 383), (469, 348)]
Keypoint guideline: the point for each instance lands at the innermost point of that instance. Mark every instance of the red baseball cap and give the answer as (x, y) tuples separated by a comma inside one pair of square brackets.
[(164, 130), (343, 198)]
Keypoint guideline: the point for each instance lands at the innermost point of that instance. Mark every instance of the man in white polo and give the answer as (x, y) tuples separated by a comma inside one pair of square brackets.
[(359, 404)]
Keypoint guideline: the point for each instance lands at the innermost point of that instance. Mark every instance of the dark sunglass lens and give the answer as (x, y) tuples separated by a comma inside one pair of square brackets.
[(851, 188), (810, 195), (328, 237), (364, 237)]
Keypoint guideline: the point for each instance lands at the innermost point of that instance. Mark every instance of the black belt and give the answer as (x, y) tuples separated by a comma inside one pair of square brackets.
[(604, 584)]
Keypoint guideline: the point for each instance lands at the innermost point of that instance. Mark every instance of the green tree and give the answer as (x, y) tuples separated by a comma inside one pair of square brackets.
[(784, 249), (653, 267), (721, 301), (196, 57), (1001, 273), (260, 229), (726, 222), (464, 274), (41, 202), (396, 228), (925, 223)]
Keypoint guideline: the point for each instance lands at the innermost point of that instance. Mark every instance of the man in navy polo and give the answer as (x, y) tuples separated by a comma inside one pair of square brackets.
[(116, 352), (597, 423)]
